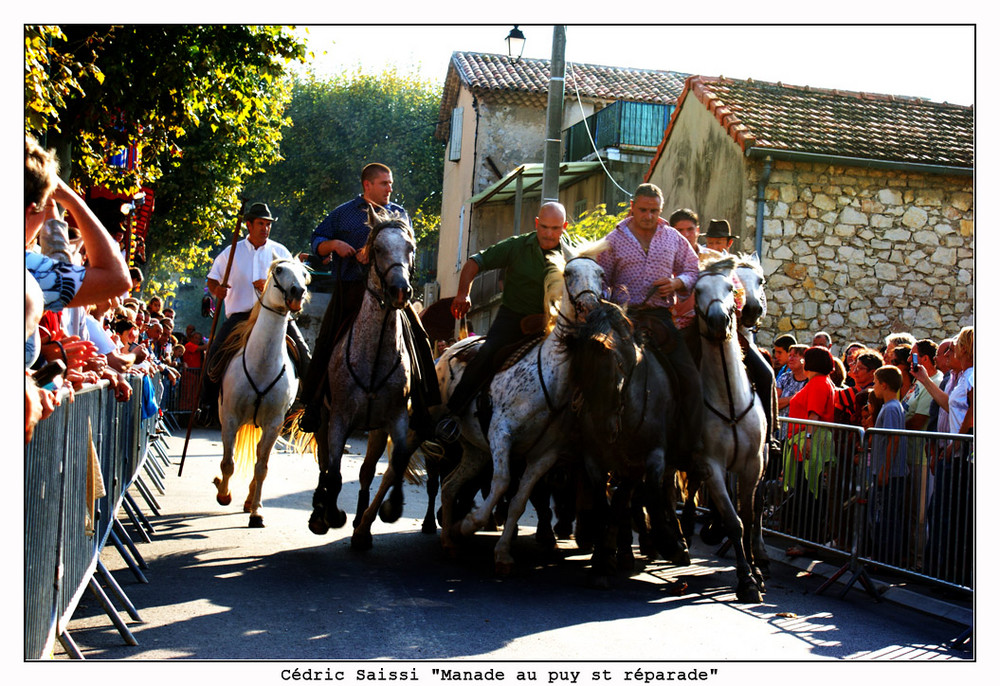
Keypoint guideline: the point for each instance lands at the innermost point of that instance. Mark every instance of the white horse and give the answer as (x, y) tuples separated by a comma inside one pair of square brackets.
[(734, 425), (259, 384), (530, 402), (370, 377)]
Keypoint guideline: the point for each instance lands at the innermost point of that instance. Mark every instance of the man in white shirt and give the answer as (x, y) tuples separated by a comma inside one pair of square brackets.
[(247, 276)]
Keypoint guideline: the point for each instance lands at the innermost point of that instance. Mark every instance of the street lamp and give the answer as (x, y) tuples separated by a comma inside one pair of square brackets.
[(515, 44)]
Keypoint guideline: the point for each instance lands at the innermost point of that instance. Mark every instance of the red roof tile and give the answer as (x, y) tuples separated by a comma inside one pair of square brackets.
[(841, 123)]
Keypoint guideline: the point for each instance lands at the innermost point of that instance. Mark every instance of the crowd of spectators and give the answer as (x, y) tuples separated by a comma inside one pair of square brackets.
[(84, 321), (919, 506)]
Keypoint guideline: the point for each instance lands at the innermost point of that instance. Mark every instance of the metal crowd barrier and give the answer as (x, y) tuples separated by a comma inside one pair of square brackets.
[(900, 501), (91, 446)]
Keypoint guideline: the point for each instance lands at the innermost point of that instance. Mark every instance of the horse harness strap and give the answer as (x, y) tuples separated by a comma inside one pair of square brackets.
[(732, 418), (260, 393)]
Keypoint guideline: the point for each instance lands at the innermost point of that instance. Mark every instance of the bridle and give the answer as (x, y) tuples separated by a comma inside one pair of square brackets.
[(372, 387), (382, 275), (273, 281), (732, 418)]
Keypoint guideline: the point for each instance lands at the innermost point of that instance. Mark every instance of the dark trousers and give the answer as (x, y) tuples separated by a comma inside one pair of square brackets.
[(340, 313), (672, 348), (762, 377), (504, 331)]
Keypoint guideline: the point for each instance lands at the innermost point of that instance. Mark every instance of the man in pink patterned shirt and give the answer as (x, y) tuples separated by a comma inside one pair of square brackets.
[(646, 264)]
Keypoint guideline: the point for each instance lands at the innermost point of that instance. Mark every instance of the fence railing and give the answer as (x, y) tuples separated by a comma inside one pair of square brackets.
[(79, 466), (898, 500)]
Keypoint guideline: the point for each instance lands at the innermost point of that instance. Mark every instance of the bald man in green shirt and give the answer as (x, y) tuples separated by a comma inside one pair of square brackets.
[(525, 260)]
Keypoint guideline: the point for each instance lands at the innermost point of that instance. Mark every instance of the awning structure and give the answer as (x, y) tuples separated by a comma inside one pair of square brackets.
[(526, 182)]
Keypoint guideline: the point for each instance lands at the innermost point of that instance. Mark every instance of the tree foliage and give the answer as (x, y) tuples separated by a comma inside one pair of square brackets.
[(340, 124), (596, 223), (203, 106)]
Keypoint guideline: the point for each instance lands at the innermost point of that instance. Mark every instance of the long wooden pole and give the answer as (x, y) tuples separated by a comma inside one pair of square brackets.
[(211, 333)]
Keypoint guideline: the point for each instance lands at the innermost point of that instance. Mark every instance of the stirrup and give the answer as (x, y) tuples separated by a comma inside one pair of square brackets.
[(448, 430)]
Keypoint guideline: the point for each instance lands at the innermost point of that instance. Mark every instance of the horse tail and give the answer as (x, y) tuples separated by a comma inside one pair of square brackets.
[(245, 450), (301, 441)]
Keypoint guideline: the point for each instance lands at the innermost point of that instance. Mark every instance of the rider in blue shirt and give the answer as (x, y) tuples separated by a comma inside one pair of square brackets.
[(335, 244)]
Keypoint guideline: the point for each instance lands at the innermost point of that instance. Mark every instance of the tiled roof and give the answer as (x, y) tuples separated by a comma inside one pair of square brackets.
[(495, 74), (839, 123)]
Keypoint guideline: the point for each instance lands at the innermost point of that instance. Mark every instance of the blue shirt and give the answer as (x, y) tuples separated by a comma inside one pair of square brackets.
[(891, 416), (349, 223)]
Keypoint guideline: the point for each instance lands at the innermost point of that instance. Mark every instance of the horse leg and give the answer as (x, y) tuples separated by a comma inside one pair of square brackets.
[(540, 497), (596, 529), (401, 451), (264, 446), (751, 513), (377, 440), (472, 463), (433, 467), (229, 428), (502, 559), (500, 441), (747, 590), (325, 512), (666, 531)]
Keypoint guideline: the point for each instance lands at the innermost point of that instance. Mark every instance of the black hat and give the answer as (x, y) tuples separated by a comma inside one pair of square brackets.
[(719, 228), (259, 210)]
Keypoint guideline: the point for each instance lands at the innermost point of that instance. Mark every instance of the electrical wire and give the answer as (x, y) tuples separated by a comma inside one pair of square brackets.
[(590, 137)]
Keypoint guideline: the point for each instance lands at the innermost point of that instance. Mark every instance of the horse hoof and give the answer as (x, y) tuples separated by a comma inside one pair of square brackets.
[(504, 568), (256, 522), (428, 527), (317, 525), (390, 511), (361, 541), (563, 530), (545, 538), (337, 520), (681, 558), (747, 592), (224, 499)]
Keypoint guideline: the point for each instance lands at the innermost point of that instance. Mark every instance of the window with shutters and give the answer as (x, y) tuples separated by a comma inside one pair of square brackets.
[(455, 144)]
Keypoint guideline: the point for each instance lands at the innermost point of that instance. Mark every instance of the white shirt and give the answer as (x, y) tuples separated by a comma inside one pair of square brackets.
[(250, 264)]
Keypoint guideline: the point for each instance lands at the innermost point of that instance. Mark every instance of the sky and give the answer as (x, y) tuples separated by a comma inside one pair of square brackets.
[(896, 60)]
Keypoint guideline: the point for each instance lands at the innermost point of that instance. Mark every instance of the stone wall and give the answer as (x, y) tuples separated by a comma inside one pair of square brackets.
[(862, 252)]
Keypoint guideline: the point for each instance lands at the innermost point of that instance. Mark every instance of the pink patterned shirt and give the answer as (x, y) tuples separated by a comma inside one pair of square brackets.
[(630, 271)]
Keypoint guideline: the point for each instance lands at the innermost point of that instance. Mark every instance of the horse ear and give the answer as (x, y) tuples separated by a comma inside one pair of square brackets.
[(755, 257)]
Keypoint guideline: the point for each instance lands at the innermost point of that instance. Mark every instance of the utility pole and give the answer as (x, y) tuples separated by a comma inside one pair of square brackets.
[(553, 129)]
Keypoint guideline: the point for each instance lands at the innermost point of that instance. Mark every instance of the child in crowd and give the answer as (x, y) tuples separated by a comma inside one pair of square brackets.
[(889, 502)]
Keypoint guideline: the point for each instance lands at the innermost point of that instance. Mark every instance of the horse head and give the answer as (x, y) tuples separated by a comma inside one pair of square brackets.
[(583, 277), (715, 298), (751, 275), (602, 355), (287, 286), (390, 253)]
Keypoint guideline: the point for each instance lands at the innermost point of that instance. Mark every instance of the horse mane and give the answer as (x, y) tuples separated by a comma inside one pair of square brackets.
[(749, 262), (587, 344), (386, 220), (723, 265)]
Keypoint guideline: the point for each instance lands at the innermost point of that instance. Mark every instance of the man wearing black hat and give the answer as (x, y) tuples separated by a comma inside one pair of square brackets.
[(247, 276), (719, 237)]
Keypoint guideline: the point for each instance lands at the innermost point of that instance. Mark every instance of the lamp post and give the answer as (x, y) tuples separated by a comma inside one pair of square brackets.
[(515, 44), (554, 113)]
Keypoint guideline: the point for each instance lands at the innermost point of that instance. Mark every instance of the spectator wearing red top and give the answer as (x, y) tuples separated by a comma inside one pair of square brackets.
[(815, 400)]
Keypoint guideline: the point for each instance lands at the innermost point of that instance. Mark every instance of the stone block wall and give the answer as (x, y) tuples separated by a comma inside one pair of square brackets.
[(864, 252)]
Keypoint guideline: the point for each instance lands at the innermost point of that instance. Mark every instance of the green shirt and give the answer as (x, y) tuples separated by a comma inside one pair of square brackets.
[(525, 265)]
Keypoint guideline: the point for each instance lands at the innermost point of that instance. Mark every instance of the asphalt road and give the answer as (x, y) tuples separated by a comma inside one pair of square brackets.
[(218, 590)]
